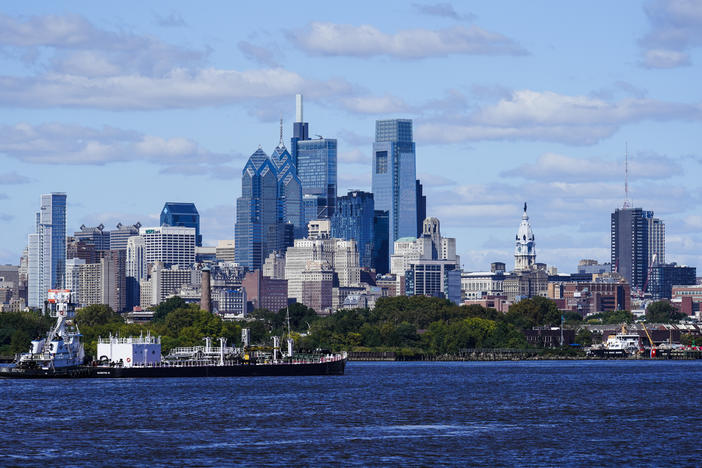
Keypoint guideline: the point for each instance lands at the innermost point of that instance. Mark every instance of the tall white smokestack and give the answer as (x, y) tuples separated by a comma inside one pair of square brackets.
[(298, 108)]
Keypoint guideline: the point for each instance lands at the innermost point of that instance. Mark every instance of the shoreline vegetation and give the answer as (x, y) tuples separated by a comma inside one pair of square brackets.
[(401, 328)]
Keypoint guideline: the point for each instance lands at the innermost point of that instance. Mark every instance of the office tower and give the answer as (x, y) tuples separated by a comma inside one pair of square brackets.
[(47, 249), (258, 230), (135, 269), (119, 236), (421, 207), (169, 245), (73, 274), (381, 242), (96, 236), (274, 266), (113, 280), (656, 240), (289, 189), (264, 292), (225, 251), (394, 176), (632, 246), (182, 215), (315, 161), (666, 275), (354, 219)]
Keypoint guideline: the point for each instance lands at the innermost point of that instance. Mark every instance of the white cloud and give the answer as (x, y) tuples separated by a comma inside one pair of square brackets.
[(57, 143), (664, 58), (13, 178), (76, 41), (558, 167), (333, 39), (354, 156), (549, 116), (375, 104), (676, 28), (179, 88), (443, 10)]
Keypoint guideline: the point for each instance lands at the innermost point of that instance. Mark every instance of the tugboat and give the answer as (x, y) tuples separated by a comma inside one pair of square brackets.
[(61, 355)]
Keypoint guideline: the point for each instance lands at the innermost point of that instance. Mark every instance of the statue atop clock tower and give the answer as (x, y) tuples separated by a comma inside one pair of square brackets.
[(525, 249)]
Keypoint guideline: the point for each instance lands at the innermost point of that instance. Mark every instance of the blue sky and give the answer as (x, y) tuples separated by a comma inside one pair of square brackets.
[(127, 105)]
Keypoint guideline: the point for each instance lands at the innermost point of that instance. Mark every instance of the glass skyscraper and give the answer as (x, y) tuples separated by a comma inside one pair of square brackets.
[(315, 161), (636, 236), (270, 210), (289, 191), (47, 249), (182, 215), (394, 176), (353, 220)]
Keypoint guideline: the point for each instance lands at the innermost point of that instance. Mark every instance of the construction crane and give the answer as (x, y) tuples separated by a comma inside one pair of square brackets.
[(653, 347)]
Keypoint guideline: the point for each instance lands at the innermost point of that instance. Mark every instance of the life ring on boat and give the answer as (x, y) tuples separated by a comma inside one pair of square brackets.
[(129, 359)]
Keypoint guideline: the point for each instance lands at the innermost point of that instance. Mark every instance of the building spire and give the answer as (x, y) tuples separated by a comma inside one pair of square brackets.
[(281, 132)]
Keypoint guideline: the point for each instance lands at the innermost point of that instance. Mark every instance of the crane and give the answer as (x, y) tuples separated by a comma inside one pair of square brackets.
[(653, 347)]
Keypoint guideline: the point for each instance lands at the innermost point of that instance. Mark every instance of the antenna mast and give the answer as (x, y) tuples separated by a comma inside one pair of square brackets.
[(626, 176)]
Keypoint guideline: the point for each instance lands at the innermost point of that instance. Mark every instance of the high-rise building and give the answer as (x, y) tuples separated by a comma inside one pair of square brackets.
[(421, 207), (225, 251), (135, 269), (289, 189), (636, 236), (665, 276), (316, 163), (119, 236), (394, 176), (73, 274), (381, 242), (169, 245), (183, 215), (47, 249), (258, 230), (264, 292), (94, 235), (113, 280), (353, 219)]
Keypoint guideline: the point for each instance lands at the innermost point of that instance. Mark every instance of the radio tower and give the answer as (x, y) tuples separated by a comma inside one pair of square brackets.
[(626, 176)]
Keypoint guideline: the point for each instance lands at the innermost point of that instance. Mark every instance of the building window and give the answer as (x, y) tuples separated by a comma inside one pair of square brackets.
[(381, 162)]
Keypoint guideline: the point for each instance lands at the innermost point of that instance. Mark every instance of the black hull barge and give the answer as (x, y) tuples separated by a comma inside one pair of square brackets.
[(330, 366)]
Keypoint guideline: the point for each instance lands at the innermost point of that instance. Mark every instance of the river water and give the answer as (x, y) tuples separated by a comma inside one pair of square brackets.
[(543, 413)]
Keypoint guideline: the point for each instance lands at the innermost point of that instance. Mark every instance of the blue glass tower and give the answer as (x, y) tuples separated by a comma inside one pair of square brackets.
[(258, 229), (315, 161), (289, 190), (353, 219), (394, 176), (183, 215), (47, 249), (381, 243)]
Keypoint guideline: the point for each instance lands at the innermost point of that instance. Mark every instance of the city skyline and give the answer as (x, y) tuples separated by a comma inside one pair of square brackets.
[(125, 109)]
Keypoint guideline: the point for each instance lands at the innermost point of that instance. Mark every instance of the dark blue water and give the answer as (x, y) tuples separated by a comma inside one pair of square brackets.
[(582, 413)]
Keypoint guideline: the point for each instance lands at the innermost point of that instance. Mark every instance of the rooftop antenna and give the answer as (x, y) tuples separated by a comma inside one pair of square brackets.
[(626, 176)]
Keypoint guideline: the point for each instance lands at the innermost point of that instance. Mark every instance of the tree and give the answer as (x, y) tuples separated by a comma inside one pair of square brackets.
[(584, 337), (167, 306), (534, 312), (97, 314), (662, 312)]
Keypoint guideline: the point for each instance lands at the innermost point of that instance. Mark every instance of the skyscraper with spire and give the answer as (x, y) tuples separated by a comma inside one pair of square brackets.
[(637, 239), (316, 164)]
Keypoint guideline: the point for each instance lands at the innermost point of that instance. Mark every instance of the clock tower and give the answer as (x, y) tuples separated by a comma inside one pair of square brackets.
[(525, 249)]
